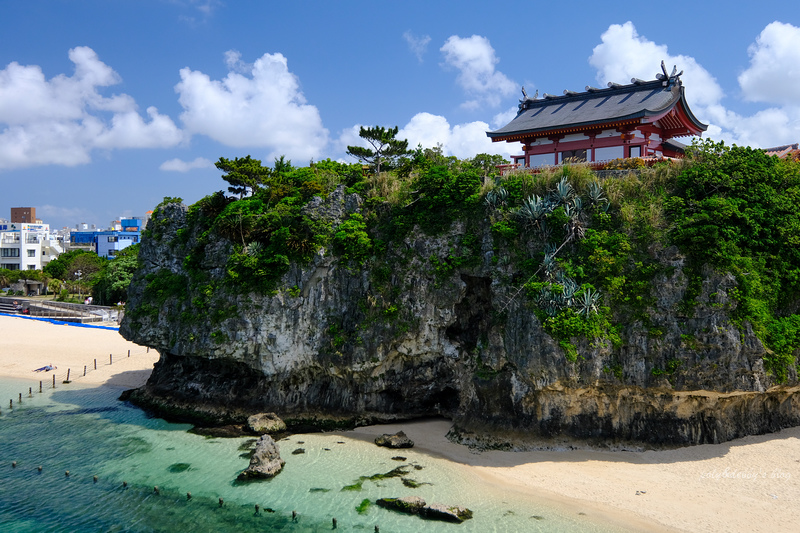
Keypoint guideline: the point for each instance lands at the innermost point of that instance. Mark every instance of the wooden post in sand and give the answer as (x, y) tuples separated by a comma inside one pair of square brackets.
[(40, 386), (95, 364), (84, 370), (110, 360), (67, 380), (54, 381), (129, 353)]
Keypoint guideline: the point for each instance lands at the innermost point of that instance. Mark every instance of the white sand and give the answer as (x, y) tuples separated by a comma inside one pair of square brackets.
[(27, 344), (747, 485)]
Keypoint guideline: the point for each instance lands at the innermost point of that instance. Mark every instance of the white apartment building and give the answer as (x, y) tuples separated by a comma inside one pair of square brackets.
[(27, 246)]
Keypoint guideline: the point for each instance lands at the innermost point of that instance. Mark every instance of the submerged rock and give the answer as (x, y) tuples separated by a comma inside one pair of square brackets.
[(438, 511), (265, 462), (262, 423), (408, 505), (398, 440), (417, 506)]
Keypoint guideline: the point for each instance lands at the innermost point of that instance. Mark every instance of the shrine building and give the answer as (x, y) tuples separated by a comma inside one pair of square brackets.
[(636, 120)]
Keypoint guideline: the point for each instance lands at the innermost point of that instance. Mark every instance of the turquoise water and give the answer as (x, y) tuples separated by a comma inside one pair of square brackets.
[(90, 433)]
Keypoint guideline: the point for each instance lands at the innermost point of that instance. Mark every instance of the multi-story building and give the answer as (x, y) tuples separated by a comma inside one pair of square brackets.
[(24, 215), (26, 246), (108, 243)]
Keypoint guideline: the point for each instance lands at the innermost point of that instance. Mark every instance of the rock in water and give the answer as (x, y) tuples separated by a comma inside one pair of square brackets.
[(438, 511), (408, 505), (265, 423), (398, 440), (265, 462)]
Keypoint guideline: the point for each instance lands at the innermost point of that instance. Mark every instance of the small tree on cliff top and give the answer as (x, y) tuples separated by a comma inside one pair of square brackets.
[(386, 149), (243, 173)]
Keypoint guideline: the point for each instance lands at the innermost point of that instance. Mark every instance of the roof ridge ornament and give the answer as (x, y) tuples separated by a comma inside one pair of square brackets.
[(523, 104), (526, 98), (669, 79)]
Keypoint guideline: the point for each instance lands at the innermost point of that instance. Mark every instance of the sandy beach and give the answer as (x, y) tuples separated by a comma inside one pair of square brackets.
[(748, 485), (27, 344)]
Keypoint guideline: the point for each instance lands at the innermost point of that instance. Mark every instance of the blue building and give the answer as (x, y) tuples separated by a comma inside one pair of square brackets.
[(108, 243)]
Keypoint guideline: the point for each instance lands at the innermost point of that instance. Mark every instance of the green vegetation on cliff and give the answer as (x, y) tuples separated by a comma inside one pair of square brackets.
[(580, 250)]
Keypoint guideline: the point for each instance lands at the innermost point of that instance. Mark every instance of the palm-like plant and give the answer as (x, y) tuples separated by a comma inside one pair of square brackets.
[(253, 249), (534, 209), (496, 197), (587, 302), (563, 192), (597, 196)]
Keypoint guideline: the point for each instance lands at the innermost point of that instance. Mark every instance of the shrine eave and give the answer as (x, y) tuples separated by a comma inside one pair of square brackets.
[(626, 107)]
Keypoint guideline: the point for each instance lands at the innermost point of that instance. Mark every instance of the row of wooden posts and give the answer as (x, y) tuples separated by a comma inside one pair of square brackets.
[(157, 492), (85, 368)]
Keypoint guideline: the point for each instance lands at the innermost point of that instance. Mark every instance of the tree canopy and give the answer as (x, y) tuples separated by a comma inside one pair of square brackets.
[(112, 283), (244, 174), (386, 148)]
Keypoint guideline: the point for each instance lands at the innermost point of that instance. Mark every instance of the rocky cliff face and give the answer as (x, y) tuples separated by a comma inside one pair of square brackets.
[(339, 344)]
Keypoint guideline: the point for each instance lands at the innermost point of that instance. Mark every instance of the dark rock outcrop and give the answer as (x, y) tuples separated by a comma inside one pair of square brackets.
[(438, 511), (398, 440), (337, 347), (417, 506), (262, 423), (265, 463)]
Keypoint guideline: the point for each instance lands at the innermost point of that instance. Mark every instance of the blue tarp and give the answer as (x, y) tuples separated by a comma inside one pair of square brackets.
[(61, 322)]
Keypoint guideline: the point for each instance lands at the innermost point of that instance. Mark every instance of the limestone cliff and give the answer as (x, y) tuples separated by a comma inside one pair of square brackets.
[(420, 334)]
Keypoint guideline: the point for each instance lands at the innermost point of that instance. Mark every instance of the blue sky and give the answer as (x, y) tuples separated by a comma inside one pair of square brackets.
[(106, 107)]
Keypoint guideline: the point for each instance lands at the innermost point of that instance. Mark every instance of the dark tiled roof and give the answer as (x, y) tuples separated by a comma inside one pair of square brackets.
[(596, 106)]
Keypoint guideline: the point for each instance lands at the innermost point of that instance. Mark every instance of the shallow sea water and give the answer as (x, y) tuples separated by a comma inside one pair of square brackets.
[(90, 433)]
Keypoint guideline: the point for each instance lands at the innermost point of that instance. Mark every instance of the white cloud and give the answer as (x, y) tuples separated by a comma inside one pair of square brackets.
[(503, 118), (75, 214), (461, 140), (417, 45), (623, 55), (178, 165), (774, 72), (349, 137), (62, 120), (263, 109), (772, 77), (474, 57)]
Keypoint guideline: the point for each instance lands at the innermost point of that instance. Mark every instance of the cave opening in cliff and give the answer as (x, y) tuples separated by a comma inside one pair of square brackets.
[(473, 313), (443, 402)]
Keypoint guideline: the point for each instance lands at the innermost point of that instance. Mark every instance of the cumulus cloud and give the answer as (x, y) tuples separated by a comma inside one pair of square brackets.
[(262, 108), (417, 45), (178, 165), (774, 72), (428, 130), (624, 54), (771, 77), (62, 120), (475, 60), (75, 214), (461, 140)]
